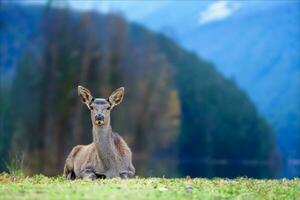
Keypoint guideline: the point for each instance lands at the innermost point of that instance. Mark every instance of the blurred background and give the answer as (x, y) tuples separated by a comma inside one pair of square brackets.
[(212, 87)]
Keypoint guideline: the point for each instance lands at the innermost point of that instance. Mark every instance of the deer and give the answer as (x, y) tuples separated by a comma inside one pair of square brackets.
[(108, 156)]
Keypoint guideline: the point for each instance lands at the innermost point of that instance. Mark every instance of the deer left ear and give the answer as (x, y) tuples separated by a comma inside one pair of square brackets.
[(116, 97), (85, 94)]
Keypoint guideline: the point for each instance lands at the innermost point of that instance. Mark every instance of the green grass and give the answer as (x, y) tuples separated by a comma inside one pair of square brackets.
[(41, 187)]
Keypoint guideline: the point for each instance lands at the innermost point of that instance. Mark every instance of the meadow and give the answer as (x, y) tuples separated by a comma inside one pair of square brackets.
[(42, 187)]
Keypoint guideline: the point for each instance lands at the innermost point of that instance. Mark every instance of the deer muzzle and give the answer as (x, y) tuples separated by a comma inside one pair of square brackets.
[(99, 119)]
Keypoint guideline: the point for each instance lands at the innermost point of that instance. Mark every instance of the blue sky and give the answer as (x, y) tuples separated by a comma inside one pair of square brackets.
[(208, 11), (137, 10)]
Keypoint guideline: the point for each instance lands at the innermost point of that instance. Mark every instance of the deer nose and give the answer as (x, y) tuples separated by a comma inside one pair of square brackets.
[(99, 117)]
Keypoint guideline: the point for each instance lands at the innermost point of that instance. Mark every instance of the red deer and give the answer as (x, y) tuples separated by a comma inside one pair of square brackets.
[(108, 155)]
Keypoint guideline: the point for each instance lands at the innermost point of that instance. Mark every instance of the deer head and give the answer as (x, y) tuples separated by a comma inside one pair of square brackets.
[(100, 107)]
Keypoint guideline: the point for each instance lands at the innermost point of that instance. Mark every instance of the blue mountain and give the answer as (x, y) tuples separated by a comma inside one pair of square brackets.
[(257, 44)]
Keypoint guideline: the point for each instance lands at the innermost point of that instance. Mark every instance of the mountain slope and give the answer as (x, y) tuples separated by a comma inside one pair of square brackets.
[(258, 46)]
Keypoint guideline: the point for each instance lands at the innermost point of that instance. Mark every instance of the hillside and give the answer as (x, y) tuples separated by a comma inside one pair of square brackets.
[(178, 109), (254, 46)]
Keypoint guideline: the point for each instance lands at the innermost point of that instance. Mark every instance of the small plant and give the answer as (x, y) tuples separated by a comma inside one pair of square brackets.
[(15, 165)]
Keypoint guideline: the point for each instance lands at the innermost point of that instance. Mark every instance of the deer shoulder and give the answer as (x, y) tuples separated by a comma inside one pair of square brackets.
[(121, 145)]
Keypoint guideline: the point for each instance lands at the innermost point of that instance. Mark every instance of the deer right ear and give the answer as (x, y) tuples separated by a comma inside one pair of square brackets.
[(116, 97), (86, 96)]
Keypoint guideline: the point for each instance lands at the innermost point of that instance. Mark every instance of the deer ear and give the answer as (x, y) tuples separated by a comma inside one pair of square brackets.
[(116, 97), (85, 94)]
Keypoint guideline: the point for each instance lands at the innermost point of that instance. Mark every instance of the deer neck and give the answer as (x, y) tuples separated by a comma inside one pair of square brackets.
[(104, 142)]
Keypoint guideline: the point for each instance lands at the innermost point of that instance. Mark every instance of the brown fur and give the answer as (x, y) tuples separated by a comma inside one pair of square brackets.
[(121, 146), (108, 155)]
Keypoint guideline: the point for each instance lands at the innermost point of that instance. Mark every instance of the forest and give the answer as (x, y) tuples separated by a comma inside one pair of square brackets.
[(180, 116)]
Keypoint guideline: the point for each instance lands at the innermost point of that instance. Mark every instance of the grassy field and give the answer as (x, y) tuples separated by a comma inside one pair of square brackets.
[(41, 187)]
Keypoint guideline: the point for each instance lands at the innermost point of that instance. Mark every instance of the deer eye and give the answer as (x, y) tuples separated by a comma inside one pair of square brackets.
[(91, 107), (108, 108)]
